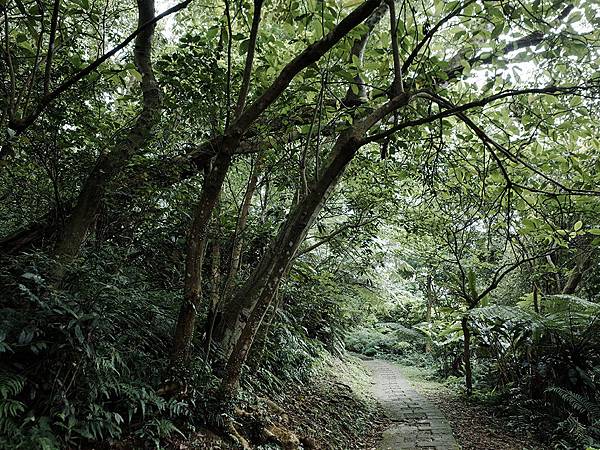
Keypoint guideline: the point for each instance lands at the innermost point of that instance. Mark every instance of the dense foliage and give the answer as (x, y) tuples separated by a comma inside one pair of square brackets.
[(202, 202)]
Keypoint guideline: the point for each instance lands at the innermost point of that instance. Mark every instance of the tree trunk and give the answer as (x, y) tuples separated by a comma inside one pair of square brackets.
[(243, 316), (358, 93), (467, 355), (197, 239), (236, 248), (282, 249), (576, 275), (215, 289), (108, 165), (263, 333), (429, 295), (224, 146), (556, 287), (536, 299), (236, 254), (239, 354)]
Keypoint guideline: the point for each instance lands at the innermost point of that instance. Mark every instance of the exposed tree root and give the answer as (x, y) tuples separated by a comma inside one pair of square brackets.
[(233, 432)]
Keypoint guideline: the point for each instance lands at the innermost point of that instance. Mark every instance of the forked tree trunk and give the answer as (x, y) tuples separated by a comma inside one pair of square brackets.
[(239, 354), (109, 164), (244, 314), (225, 146), (235, 255)]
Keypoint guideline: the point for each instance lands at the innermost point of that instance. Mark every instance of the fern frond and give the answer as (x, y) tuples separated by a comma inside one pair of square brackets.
[(11, 384), (563, 302), (505, 314), (578, 402), (10, 408)]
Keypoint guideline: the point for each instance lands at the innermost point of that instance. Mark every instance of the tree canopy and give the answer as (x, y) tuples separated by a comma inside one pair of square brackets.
[(190, 179)]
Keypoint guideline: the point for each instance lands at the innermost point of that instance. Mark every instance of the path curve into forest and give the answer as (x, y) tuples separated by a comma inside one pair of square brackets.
[(417, 423)]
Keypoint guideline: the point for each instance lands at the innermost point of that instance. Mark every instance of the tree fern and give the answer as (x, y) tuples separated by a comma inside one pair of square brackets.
[(505, 314), (562, 302)]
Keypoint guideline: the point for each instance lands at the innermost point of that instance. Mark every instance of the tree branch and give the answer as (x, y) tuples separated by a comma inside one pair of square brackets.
[(307, 57), (550, 90), (511, 156), (329, 237), (20, 125), (430, 34), (53, 26), (245, 87)]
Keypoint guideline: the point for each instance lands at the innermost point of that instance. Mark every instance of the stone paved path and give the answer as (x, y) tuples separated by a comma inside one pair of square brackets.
[(418, 424)]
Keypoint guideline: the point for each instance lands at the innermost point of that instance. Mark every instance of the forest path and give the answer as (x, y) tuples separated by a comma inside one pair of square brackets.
[(417, 423)]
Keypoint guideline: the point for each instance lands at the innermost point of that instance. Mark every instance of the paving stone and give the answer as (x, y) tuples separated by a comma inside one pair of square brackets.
[(418, 424)]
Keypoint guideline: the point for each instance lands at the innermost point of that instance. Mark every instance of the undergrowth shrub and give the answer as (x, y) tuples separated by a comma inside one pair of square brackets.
[(287, 354), (392, 339), (83, 362), (291, 343), (546, 362)]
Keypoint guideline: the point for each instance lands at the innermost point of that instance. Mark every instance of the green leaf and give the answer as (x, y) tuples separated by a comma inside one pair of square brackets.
[(244, 46), (212, 33), (498, 28), (135, 74)]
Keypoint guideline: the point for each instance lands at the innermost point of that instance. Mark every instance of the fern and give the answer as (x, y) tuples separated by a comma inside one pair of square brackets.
[(10, 384), (563, 302), (10, 408), (506, 314), (578, 402), (579, 433)]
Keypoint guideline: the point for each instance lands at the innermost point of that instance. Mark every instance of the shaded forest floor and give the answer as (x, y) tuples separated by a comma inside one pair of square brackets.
[(335, 409), (475, 426), (332, 411)]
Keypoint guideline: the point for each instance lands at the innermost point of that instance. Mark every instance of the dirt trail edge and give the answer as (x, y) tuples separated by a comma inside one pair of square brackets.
[(418, 424)]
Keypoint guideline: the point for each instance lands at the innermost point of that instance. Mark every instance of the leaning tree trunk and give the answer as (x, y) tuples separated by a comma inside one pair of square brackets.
[(225, 146), (108, 165), (235, 254), (215, 284), (262, 335), (244, 314), (282, 249), (239, 354)]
